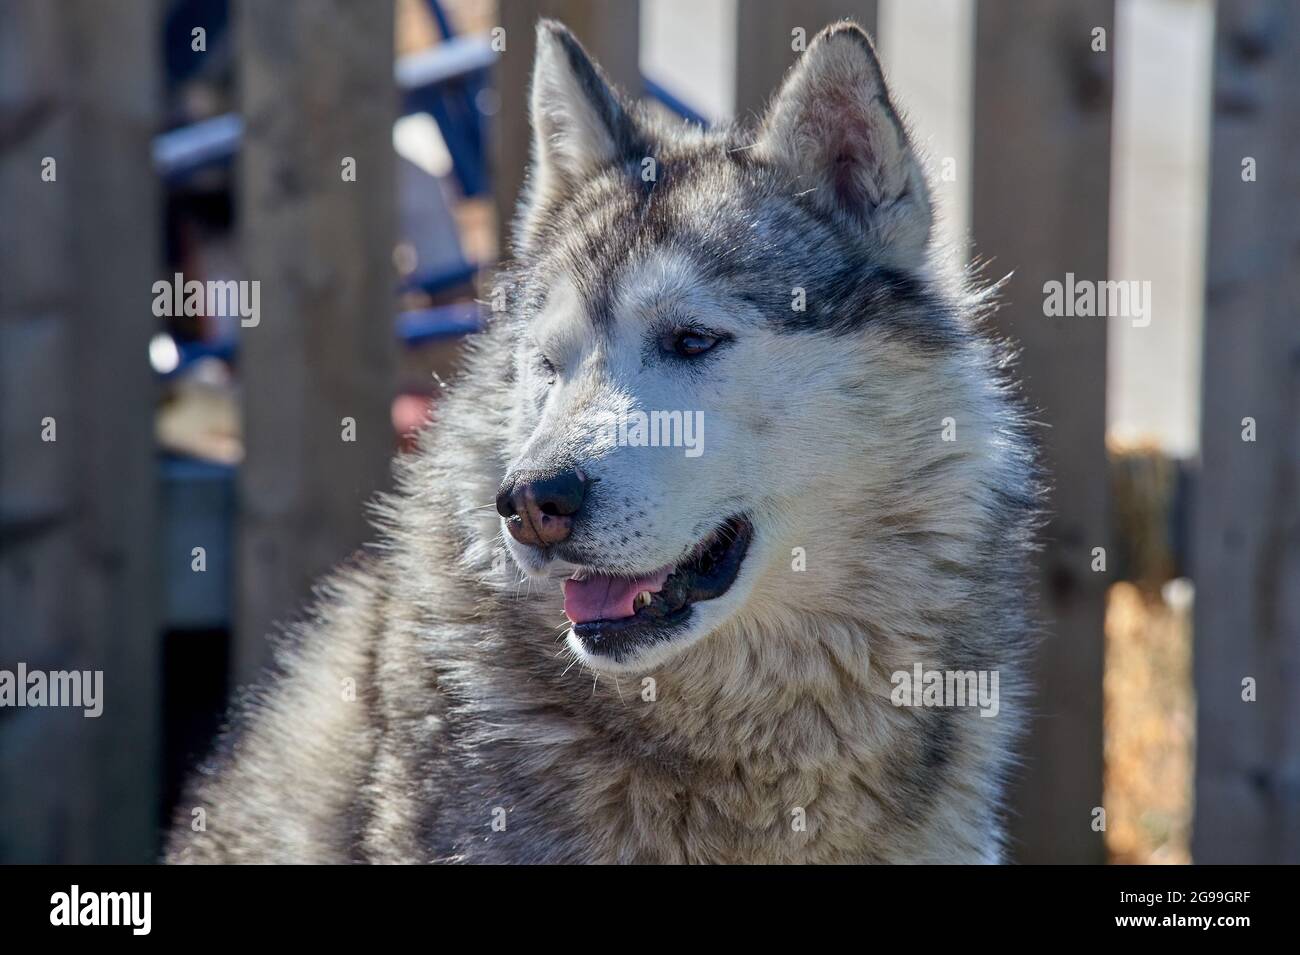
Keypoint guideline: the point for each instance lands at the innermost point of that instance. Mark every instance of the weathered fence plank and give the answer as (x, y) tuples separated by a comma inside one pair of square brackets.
[(78, 256), (316, 78), (1041, 158), (1246, 547)]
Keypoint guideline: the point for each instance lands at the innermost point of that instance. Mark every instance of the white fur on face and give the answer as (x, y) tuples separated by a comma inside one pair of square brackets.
[(819, 439), (650, 505), (776, 422)]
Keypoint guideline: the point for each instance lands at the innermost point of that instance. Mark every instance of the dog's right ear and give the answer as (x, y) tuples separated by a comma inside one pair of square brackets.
[(579, 122)]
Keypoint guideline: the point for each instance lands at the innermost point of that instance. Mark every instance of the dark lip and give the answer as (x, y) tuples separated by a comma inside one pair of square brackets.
[(706, 575)]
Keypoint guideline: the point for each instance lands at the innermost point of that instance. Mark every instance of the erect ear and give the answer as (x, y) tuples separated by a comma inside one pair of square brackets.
[(833, 126), (579, 122)]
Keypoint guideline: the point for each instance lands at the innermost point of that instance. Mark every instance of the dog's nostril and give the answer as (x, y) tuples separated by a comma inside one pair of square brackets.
[(505, 506), (545, 504), (560, 495)]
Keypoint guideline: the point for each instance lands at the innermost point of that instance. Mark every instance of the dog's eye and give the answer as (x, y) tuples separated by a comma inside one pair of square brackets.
[(549, 370), (689, 342)]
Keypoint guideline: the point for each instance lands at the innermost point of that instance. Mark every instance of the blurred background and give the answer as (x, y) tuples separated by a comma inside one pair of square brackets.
[(171, 486)]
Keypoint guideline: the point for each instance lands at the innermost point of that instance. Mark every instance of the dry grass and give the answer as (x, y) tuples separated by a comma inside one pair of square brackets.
[(1149, 724)]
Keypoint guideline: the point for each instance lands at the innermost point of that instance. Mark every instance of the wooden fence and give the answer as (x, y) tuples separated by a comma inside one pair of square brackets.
[(77, 562), (78, 492), (1246, 546)]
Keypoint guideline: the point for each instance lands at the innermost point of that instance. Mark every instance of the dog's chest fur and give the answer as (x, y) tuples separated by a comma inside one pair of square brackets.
[(787, 752)]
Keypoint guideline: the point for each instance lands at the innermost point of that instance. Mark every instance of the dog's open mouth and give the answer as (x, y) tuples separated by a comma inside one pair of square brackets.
[(608, 610)]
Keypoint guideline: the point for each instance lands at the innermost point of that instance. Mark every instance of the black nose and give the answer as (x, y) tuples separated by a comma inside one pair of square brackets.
[(539, 507)]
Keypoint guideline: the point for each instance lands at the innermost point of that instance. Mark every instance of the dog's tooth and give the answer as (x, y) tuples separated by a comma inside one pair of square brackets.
[(642, 600)]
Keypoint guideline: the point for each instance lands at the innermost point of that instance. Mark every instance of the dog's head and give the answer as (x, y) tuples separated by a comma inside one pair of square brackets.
[(713, 331)]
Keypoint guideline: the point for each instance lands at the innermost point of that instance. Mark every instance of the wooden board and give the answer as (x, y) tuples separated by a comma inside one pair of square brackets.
[(316, 80), (1040, 191), (1247, 525), (78, 539)]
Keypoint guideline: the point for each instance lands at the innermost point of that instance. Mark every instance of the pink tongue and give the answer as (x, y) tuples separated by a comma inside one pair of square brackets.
[(601, 597)]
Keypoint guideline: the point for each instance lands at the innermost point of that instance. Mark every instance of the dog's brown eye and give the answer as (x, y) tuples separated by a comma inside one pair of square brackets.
[(687, 343)]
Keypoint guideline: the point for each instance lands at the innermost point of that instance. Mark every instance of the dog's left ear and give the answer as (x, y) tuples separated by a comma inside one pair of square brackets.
[(832, 124), (579, 123)]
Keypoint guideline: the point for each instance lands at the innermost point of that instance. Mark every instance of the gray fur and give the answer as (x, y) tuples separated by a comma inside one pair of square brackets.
[(469, 697)]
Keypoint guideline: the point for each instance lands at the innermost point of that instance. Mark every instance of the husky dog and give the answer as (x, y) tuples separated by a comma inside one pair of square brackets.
[(573, 644)]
